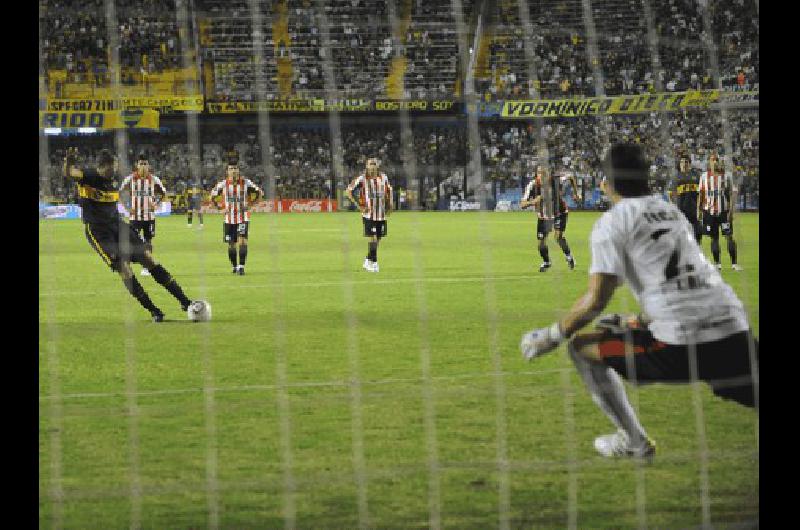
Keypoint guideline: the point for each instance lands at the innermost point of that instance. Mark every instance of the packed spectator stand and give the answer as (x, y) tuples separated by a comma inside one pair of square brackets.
[(368, 58), (301, 154), (414, 51)]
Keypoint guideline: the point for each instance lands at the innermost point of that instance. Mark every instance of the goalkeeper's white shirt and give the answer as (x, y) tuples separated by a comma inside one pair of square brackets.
[(649, 244)]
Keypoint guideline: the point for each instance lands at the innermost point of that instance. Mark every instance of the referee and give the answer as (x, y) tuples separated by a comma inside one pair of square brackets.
[(111, 237)]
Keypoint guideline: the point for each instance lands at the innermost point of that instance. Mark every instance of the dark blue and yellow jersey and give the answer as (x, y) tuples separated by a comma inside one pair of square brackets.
[(98, 196), (685, 191)]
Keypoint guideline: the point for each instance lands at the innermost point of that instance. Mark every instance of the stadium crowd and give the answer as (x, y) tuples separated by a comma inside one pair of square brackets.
[(368, 63), (361, 50), (560, 59), (303, 166), (75, 40)]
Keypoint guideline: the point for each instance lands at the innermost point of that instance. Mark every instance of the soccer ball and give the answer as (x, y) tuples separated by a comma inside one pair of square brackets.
[(199, 311)]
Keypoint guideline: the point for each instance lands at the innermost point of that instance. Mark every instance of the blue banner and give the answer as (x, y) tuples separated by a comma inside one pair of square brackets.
[(63, 211)]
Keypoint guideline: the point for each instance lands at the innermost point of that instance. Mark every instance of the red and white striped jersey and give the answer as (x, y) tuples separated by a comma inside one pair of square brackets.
[(552, 204), (716, 188), (234, 194), (375, 192), (143, 195)]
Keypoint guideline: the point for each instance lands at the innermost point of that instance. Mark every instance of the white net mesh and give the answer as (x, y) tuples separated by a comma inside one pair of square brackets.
[(445, 428)]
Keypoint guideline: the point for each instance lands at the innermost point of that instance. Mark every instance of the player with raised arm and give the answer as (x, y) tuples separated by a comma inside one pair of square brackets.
[(717, 199), (146, 192), (688, 314), (238, 193), (684, 192), (112, 238), (374, 202), (544, 194)]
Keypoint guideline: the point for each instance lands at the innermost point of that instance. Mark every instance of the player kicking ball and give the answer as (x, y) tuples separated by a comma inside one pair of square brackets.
[(375, 202), (112, 238), (689, 315)]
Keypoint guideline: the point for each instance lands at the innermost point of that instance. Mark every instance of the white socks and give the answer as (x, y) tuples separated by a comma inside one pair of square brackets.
[(607, 390)]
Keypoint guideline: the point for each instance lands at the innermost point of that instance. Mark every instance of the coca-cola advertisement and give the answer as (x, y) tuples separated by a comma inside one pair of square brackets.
[(307, 205), (263, 206), (286, 206)]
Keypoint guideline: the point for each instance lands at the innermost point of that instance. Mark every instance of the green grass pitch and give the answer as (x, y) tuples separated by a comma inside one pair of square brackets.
[(322, 396)]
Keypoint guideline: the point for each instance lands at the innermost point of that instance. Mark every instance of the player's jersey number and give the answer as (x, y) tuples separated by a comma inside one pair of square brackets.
[(682, 274)]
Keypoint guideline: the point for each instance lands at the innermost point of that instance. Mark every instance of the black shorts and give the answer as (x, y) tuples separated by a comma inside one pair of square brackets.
[(544, 226), (374, 228), (724, 364), (714, 224), (232, 232), (146, 228), (106, 240)]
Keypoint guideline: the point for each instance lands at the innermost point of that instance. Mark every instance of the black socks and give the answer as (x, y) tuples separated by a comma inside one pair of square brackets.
[(564, 246), (232, 255), (715, 249), (161, 276), (373, 251), (136, 289), (732, 250), (544, 251), (242, 254)]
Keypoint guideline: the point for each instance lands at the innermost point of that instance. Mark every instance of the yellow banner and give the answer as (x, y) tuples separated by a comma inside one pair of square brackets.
[(341, 105), (115, 119), (295, 105), (569, 108), (162, 103)]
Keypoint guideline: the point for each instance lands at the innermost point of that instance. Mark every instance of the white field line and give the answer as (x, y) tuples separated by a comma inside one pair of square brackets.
[(312, 478), (371, 281), (309, 384)]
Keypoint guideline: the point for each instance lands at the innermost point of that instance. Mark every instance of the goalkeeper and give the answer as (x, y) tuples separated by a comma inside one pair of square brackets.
[(695, 327), (111, 237)]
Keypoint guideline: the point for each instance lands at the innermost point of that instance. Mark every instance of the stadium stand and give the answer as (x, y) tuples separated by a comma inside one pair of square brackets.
[(75, 47), (362, 50), (559, 35), (367, 63), (303, 168)]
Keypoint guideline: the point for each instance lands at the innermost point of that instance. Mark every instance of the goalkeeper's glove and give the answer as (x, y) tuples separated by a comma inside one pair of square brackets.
[(541, 341), (617, 323)]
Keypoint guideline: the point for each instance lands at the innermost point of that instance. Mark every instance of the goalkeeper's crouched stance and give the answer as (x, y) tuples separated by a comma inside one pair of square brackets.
[(111, 237), (694, 327)]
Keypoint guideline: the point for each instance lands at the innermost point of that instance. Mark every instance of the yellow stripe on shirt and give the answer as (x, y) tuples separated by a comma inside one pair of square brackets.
[(87, 192), (97, 246)]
